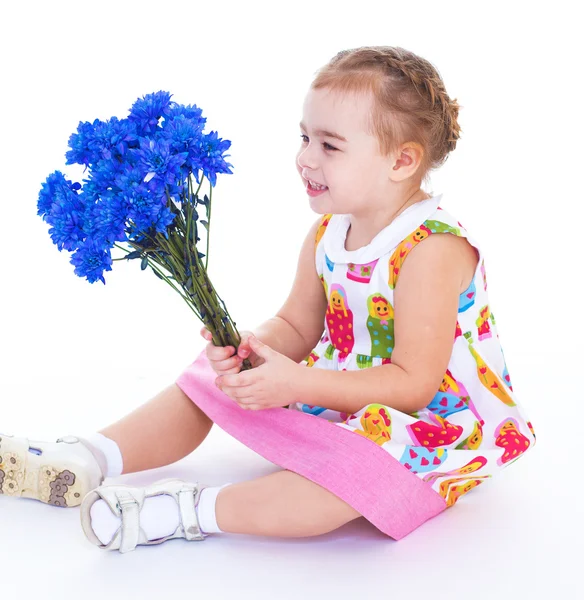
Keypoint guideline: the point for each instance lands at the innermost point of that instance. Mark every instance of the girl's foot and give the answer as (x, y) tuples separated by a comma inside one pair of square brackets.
[(60, 473), (126, 503)]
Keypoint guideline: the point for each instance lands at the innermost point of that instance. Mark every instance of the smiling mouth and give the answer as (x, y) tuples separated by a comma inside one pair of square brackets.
[(316, 186)]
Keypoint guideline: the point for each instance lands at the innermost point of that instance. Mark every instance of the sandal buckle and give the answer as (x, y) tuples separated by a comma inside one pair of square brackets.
[(125, 501), (130, 521), (188, 515)]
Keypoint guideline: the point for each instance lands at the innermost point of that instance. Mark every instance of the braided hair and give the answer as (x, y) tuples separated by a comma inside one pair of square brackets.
[(410, 100)]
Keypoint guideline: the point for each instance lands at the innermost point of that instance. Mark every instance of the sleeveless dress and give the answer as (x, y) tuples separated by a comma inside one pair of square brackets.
[(474, 426), (397, 470)]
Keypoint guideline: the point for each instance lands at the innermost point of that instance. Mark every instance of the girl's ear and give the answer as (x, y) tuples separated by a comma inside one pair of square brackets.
[(407, 160)]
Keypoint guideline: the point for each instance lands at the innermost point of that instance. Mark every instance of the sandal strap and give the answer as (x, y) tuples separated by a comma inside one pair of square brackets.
[(188, 515), (187, 495), (130, 521)]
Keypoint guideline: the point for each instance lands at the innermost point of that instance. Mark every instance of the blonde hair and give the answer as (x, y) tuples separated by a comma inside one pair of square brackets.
[(410, 100)]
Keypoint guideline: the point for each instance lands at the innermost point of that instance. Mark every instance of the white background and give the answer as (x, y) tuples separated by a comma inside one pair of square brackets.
[(77, 356)]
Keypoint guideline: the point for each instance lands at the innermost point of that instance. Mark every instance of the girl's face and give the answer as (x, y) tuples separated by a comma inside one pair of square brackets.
[(356, 175)]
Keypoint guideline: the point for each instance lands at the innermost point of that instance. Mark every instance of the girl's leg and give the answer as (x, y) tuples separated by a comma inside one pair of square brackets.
[(162, 431), (282, 504), (61, 473)]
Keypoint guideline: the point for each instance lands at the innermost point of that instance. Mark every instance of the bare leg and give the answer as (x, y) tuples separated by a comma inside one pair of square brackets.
[(160, 432), (282, 504)]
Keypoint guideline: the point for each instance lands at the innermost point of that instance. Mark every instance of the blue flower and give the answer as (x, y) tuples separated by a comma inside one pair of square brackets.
[(103, 175), (211, 159), (144, 209), (157, 161), (130, 179), (185, 135), (54, 184), (101, 140), (164, 218), (79, 144), (90, 261), (190, 111), (138, 178), (116, 137), (61, 206), (106, 220), (147, 111)]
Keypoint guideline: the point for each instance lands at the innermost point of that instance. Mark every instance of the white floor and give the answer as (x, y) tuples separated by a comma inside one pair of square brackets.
[(519, 533)]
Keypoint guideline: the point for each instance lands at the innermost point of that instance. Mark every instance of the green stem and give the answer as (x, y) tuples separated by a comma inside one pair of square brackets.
[(200, 184), (208, 224), (173, 254), (121, 248), (198, 289)]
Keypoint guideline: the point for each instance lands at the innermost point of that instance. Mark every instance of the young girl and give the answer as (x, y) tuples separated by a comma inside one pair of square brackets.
[(380, 386)]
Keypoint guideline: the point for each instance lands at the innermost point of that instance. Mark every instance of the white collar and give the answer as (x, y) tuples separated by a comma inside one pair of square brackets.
[(388, 238)]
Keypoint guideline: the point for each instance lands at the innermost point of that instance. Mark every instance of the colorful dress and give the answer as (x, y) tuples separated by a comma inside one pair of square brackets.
[(472, 428)]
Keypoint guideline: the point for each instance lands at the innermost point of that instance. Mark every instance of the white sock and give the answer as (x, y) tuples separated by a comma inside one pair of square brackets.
[(159, 516), (110, 450), (206, 509)]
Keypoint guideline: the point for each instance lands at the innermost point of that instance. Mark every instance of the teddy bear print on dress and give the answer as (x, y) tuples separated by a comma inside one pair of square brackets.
[(511, 439), (452, 397), (339, 318), (380, 323), (474, 440), (438, 433), (468, 425), (376, 424)]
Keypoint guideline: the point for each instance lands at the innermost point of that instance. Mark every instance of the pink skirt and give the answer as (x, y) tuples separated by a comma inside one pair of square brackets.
[(350, 466)]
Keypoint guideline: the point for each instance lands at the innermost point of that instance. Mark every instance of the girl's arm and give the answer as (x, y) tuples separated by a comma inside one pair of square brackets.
[(280, 335), (299, 324), (426, 297)]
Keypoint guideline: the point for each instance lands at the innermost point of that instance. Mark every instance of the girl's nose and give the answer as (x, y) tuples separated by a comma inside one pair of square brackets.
[(306, 158)]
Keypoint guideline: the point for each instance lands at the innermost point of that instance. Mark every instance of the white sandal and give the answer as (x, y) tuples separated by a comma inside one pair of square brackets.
[(59, 473), (126, 503)]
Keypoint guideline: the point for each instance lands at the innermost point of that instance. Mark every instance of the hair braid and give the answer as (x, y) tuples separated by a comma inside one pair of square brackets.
[(411, 102)]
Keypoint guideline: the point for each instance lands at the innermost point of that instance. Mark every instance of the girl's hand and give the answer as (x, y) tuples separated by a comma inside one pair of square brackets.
[(278, 381), (223, 359)]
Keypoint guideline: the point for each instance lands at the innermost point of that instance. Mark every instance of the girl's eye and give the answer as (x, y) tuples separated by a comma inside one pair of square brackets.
[(326, 146)]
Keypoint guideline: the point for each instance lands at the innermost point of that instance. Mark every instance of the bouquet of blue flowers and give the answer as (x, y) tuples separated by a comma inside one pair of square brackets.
[(141, 195)]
